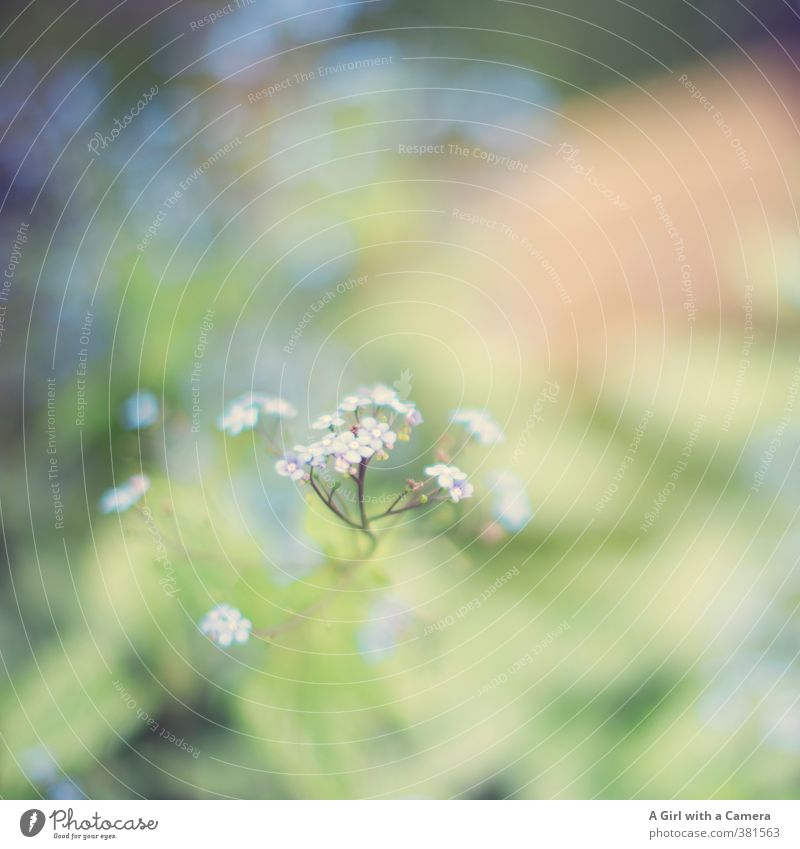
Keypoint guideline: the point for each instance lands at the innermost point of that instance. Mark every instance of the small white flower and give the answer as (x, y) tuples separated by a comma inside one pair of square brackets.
[(479, 424), (399, 406), (382, 395), (353, 402), (341, 465), (376, 434), (446, 476), (115, 499), (242, 413), (413, 417), (328, 442), (328, 421), (452, 479), (238, 416), (460, 489), (123, 497), (489, 433), (317, 454), (140, 410), (225, 625), (379, 395), (278, 407), (352, 448), (291, 466)]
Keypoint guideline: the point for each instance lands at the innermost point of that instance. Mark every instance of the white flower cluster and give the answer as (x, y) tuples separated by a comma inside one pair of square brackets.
[(479, 423), (244, 413), (351, 435), (364, 427), (125, 496), (225, 625)]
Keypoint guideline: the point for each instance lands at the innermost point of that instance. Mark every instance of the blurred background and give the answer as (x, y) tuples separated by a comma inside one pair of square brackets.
[(579, 215)]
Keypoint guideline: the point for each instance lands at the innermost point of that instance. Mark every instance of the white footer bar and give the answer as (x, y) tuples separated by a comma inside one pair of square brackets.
[(406, 824)]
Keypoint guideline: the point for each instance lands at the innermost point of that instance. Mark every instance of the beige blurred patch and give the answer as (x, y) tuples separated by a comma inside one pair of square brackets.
[(667, 212)]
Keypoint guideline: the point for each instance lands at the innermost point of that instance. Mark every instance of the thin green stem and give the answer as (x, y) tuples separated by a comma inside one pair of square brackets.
[(413, 506), (362, 507), (397, 500), (328, 502)]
